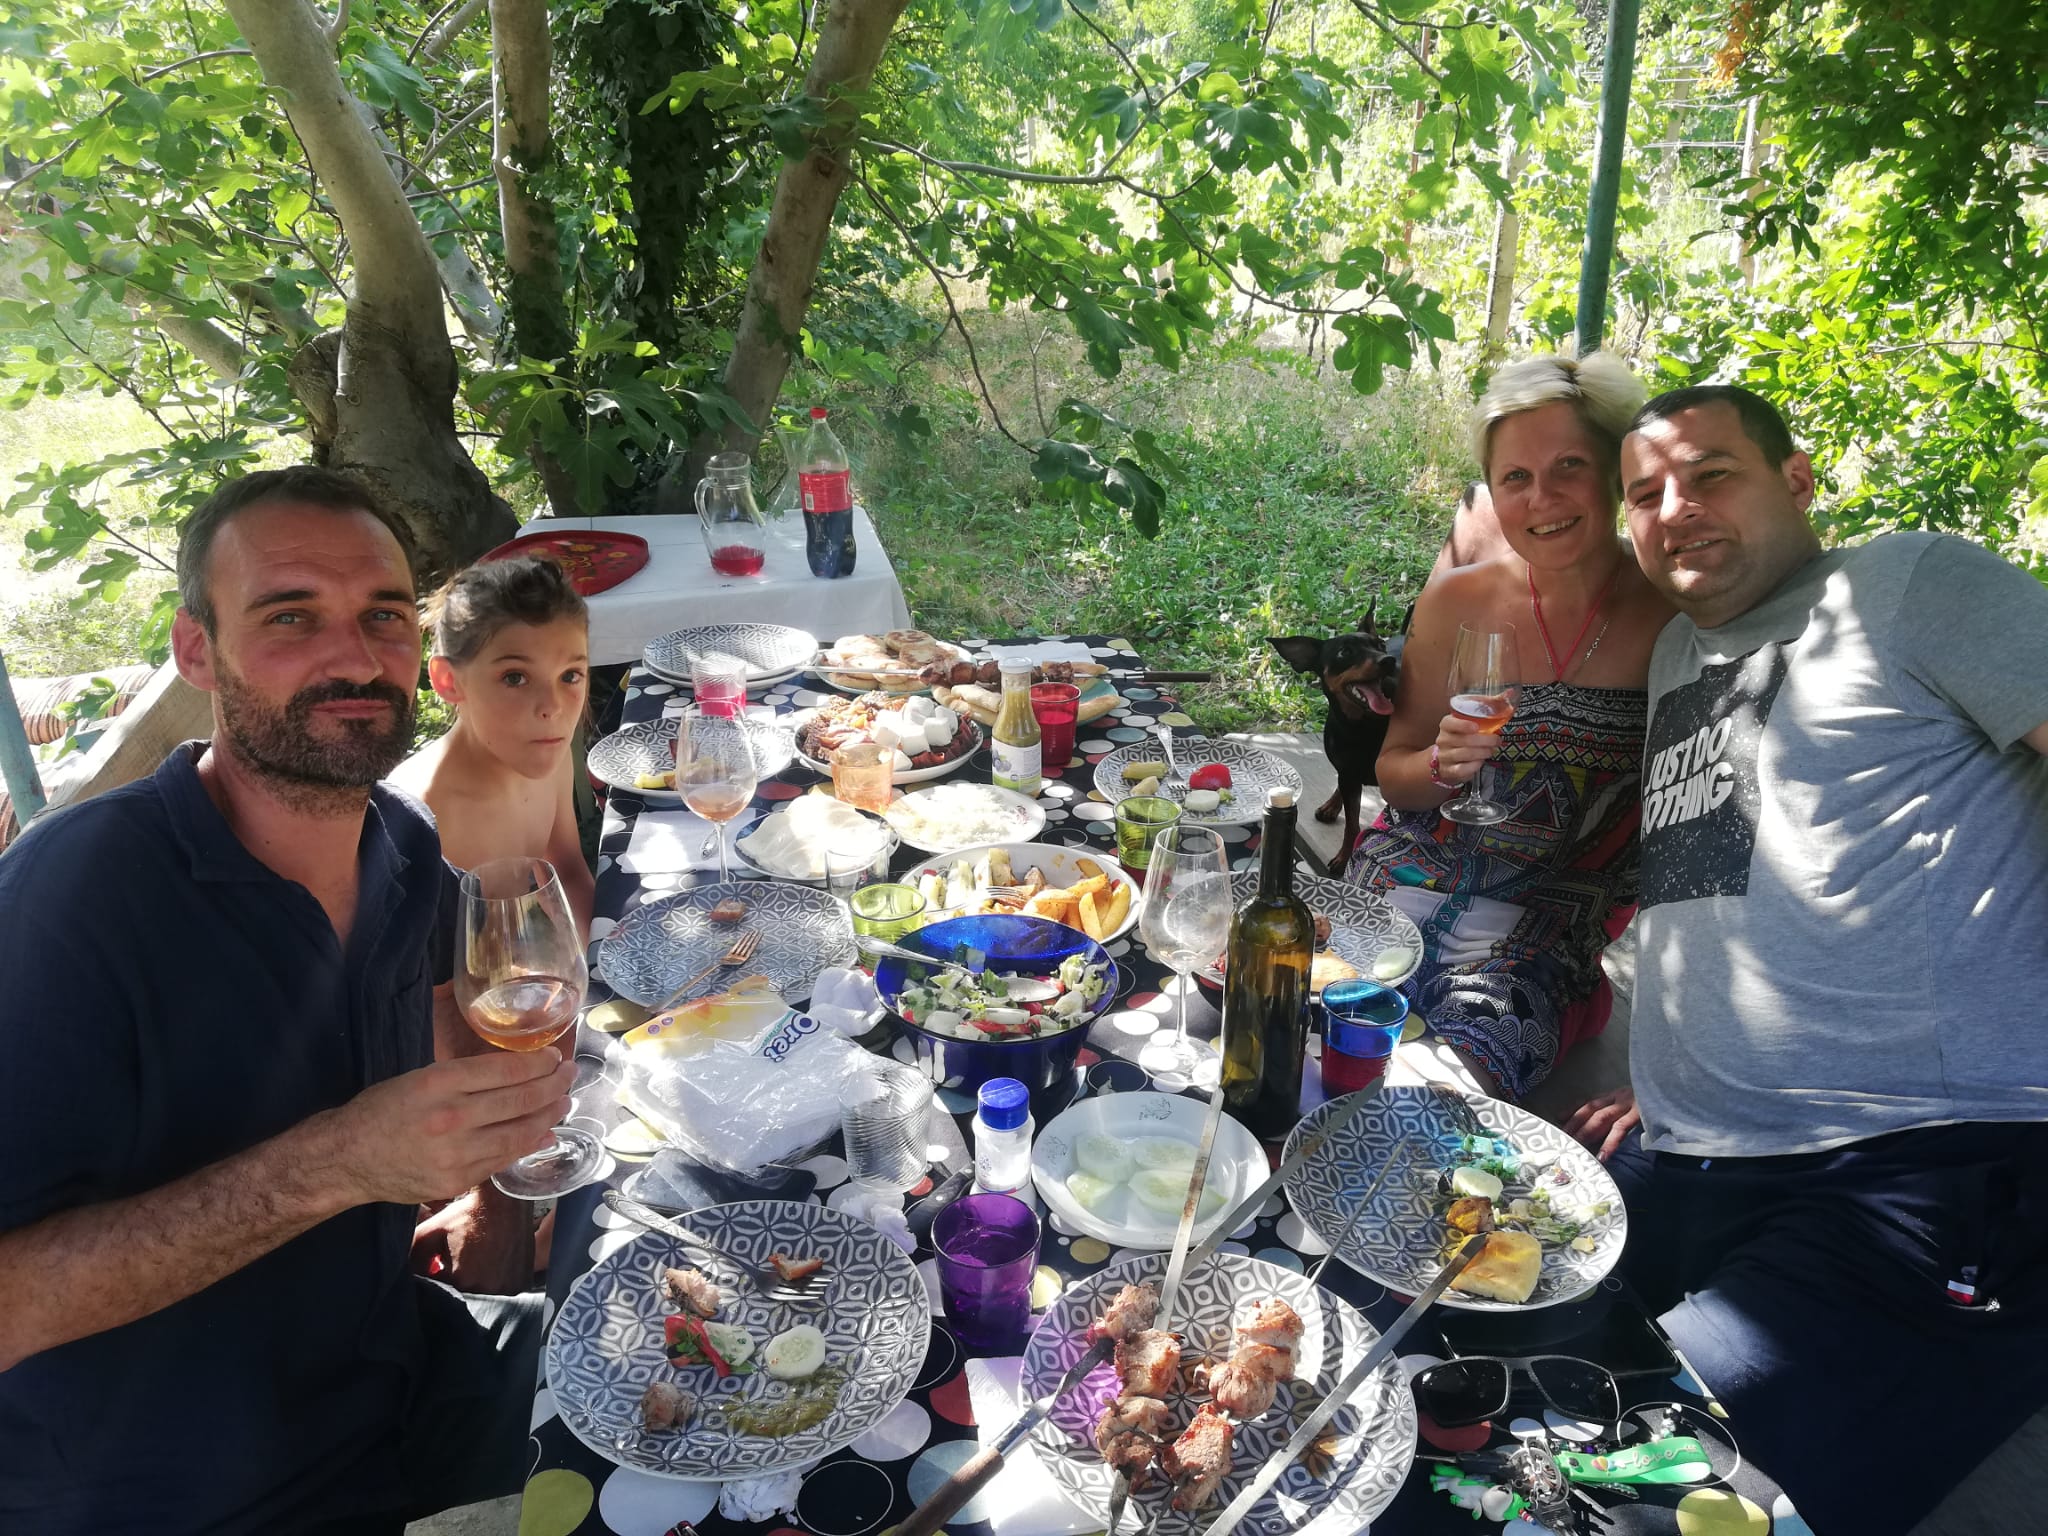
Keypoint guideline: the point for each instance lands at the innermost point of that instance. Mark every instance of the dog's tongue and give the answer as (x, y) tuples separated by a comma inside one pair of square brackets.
[(1373, 699)]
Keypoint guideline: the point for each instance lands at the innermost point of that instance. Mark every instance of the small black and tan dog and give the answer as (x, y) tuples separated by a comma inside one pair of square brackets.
[(1359, 674)]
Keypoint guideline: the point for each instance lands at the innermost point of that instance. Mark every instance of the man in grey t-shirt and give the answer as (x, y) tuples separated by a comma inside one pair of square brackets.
[(1837, 1188)]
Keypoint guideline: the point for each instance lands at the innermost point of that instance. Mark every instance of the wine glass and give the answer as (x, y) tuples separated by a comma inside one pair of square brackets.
[(1486, 676), (519, 979), (714, 771), (1185, 923)]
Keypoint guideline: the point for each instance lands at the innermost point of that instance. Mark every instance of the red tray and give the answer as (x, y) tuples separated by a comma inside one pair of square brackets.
[(595, 558)]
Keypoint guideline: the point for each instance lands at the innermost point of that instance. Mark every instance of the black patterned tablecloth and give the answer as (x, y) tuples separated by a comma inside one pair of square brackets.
[(866, 1489)]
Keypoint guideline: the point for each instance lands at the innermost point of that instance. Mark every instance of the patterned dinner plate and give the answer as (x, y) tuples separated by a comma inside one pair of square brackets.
[(606, 1345), (648, 747), (660, 946), (855, 681), (1400, 1242), (1375, 1430), (1363, 923), (1253, 771), (772, 652)]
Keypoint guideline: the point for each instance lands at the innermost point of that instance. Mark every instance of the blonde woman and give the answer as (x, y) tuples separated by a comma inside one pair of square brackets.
[(1515, 915)]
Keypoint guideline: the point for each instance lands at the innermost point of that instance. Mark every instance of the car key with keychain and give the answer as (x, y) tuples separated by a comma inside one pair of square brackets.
[(1548, 1488)]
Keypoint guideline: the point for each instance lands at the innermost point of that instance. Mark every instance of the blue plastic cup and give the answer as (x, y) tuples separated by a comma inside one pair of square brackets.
[(1362, 1023)]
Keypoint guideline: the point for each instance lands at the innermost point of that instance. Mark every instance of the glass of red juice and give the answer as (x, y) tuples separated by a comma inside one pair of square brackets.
[(1362, 1023), (720, 684), (1057, 705), (987, 1249)]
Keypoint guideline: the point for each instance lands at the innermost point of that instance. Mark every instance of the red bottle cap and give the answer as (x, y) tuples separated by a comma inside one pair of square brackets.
[(818, 413)]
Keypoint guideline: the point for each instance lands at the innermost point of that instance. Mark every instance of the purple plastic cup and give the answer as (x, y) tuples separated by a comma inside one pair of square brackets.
[(987, 1248)]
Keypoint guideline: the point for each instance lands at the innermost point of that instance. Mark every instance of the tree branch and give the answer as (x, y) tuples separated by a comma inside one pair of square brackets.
[(340, 23), (395, 273), (1104, 178), (973, 361), (440, 42), (1392, 32), (1110, 43)]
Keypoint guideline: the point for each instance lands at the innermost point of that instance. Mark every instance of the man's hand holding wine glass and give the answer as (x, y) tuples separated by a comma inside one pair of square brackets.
[(434, 1133)]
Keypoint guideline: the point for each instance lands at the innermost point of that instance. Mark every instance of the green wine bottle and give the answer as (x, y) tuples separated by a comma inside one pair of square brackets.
[(1266, 986)]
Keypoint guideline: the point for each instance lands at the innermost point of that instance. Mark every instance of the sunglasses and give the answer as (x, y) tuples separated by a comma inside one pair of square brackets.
[(1467, 1391)]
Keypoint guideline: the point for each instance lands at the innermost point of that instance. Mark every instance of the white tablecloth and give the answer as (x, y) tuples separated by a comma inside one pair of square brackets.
[(677, 588)]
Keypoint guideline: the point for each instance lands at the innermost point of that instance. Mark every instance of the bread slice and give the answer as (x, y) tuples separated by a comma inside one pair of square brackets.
[(1328, 966), (898, 641), (1506, 1270)]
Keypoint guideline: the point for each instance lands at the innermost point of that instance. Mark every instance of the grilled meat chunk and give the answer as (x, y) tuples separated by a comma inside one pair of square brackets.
[(1200, 1459), (795, 1269), (691, 1290), (1244, 1385), (1469, 1214), (1148, 1363), (1131, 1312), (1129, 1435), (664, 1405), (1272, 1322)]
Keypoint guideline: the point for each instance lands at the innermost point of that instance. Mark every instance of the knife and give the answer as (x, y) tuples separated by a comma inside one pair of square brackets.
[(1304, 1149), (975, 1473), (1277, 1464), (1177, 1264)]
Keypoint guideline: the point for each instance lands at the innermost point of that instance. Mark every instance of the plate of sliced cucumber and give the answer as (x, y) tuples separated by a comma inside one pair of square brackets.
[(1117, 1167)]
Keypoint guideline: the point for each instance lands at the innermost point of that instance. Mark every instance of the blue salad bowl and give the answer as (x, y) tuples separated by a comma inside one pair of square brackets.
[(1015, 946)]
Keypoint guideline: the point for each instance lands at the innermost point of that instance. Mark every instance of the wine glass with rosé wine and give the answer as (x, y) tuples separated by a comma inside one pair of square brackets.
[(715, 771), (1486, 679), (519, 980)]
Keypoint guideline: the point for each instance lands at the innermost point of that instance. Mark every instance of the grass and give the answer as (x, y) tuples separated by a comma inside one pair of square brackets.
[(1300, 502)]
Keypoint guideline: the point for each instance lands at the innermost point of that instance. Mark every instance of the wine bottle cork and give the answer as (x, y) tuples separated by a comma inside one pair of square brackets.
[(1280, 798)]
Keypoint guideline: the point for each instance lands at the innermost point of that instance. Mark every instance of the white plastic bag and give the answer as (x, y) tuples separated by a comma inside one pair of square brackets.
[(744, 1106)]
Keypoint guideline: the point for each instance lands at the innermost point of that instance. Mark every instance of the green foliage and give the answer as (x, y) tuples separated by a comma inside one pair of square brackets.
[(1285, 513)]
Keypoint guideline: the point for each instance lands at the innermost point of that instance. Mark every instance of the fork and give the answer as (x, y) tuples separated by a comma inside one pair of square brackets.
[(743, 949), (976, 960), (1452, 1102), (1165, 735), (763, 1278)]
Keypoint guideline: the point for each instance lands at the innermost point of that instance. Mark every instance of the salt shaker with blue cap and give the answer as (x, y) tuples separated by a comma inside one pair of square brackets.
[(1002, 1136)]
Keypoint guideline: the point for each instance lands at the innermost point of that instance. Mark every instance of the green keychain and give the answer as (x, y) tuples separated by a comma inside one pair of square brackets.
[(1675, 1459)]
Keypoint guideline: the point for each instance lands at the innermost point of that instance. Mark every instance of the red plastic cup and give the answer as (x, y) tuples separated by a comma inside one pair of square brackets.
[(1057, 706)]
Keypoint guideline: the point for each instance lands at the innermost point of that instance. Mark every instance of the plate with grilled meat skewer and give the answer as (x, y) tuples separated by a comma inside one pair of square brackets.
[(1191, 1416)]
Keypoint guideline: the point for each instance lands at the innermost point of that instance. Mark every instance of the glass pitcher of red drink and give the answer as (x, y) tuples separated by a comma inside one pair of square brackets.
[(734, 533)]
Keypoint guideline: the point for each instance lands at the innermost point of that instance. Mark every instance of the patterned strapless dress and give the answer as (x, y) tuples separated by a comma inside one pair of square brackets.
[(1514, 915)]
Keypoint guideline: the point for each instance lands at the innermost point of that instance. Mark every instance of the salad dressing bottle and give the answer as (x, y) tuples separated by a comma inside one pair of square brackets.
[(1014, 744)]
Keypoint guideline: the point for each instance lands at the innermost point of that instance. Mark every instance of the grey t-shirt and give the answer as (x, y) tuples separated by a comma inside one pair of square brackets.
[(1844, 923)]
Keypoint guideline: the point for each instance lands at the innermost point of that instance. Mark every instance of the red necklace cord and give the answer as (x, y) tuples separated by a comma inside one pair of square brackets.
[(1536, 603)]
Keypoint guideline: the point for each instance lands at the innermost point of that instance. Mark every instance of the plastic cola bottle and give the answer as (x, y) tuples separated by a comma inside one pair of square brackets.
[(825, 484)]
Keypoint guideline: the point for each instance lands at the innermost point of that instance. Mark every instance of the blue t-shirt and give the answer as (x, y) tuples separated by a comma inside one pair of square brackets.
[(169, 1001)]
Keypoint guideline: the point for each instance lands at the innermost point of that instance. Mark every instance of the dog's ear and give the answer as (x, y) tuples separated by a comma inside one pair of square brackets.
[(1304, 653), (1407, 618), (1365, 625)]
